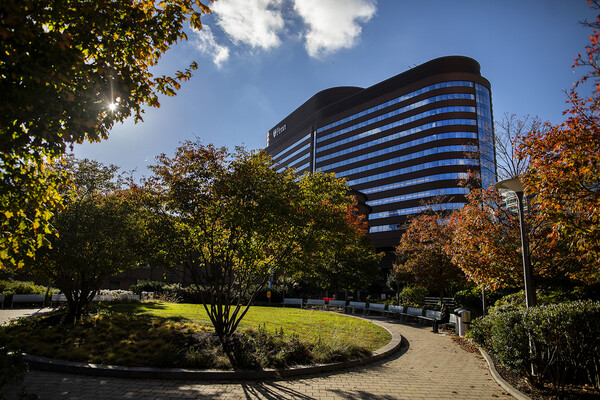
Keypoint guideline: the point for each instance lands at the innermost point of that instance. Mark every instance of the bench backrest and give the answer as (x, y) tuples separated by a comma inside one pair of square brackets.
[(377, 307), (337, 303), (357, 304), (315, 302), (414, 311), (290, 300), (28, 298), (395, 309), (433, 314), (58, 297)]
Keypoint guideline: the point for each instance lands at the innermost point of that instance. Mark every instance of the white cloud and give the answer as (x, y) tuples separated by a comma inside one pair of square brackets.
[(205, 42), (333, 24), (256, 23)]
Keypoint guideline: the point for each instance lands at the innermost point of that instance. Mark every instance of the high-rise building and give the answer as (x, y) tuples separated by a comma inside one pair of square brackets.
[(406, 142)]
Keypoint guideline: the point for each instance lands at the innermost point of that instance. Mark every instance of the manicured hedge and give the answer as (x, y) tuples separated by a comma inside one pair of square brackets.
[(564, 340)]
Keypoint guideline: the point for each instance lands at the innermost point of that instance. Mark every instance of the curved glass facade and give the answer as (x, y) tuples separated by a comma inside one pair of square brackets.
[(407, 143)]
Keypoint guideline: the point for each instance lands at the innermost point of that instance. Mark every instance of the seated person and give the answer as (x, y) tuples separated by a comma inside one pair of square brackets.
[(444, 318)]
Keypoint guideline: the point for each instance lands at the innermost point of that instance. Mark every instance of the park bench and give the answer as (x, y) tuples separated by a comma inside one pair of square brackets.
[(28, 299), (356, 305), (57, 298), (430, 316), (376, 307), (289, 301), (434, 302), (2, 300), (336, 304), (412, 313), (394, 310), (315, 303)]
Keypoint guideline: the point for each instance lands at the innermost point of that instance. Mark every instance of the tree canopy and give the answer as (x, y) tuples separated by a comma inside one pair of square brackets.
[(69, 70), (564, 173), (233, 221)]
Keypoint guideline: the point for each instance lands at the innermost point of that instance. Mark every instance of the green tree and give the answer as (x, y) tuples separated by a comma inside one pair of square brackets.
[(237, 222), (69, 70), (99, 234)]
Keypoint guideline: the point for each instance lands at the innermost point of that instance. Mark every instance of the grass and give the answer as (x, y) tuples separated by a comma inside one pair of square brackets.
[(179, 335)]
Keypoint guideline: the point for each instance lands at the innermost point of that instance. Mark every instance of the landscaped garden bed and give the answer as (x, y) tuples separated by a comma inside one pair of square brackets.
[(156, 334)]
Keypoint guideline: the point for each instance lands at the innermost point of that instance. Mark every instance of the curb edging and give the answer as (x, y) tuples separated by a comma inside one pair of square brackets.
[(505, 385), (70, 367)]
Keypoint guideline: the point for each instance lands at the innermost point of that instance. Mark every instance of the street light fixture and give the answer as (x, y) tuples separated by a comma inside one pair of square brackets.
[(515, 185)]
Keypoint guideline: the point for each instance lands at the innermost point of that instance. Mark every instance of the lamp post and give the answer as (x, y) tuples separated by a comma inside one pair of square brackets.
[(515, 185)]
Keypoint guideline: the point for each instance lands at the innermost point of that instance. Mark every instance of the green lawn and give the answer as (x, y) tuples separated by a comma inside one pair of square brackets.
[(179, 335), (309, 324)]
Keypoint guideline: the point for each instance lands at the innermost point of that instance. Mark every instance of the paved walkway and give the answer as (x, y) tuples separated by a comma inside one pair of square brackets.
[(431, 367)]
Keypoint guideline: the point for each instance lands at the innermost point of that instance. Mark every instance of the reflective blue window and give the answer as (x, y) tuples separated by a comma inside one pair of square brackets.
[(391, 149), (444, 122), (301, 160), (486, 135), (293, 153), (419, 195), (396, 160), (414, 168), (417, 181), (396, 101), (425, 114), (414, 210)]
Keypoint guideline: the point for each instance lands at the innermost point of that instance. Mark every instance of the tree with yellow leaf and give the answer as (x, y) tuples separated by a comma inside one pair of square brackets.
[(69, 70)]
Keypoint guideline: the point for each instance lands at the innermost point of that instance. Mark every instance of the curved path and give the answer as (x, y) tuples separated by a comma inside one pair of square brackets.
[(431, 366)]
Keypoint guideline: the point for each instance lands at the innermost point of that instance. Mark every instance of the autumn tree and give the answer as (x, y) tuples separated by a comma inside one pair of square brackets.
[(69, 70), (565, 166), (237, 222), (421, 255), (484, 241), (99, 234)]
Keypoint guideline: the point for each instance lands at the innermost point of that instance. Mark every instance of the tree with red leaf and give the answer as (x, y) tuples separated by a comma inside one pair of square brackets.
[(564, 173)]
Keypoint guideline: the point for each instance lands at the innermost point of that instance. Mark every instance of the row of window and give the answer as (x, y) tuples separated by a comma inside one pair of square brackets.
[(414, 168), (415, 210), (402, 146), (396, 101), (304, 159), (444, 122), (424, 114), (398, 111), (292, 154), (412, 156), (419, 195), (417, 181)]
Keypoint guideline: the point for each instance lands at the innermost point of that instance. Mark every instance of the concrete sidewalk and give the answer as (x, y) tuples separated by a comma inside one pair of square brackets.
[(432, 366)]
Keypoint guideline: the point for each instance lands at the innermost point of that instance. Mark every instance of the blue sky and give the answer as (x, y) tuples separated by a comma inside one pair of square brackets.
[(260, 59)]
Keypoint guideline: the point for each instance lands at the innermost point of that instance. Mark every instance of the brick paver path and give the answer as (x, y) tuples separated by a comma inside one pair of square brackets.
[(431, 367)]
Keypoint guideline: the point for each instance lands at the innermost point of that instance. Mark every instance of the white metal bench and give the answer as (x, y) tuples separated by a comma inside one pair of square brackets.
[(430, 316), (376, 307), (28, 299), (412, 313), (394, 310), (356, 305), (289, 301), (336, 304), (57, 298), (315, 303)]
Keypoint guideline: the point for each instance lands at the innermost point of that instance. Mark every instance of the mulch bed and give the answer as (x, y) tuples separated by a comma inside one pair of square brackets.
[(522, 384)]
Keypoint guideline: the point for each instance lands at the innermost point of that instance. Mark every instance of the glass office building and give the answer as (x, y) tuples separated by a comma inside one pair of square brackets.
[(406, 142)]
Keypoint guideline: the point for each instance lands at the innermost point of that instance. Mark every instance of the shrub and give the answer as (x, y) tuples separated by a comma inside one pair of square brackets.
[(560, 341), (22, 287), (413, 296)]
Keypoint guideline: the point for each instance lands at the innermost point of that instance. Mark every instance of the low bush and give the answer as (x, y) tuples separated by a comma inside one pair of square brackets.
[(413, 296), (559, 341), (22, 287)]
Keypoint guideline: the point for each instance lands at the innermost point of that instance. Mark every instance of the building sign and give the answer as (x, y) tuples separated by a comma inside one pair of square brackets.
[(279, 130)]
